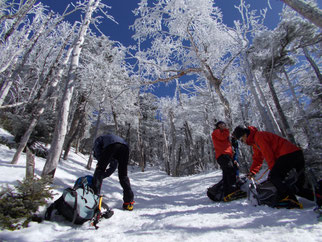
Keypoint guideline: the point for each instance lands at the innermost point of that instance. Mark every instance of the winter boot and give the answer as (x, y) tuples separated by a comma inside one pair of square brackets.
[(128, 206)]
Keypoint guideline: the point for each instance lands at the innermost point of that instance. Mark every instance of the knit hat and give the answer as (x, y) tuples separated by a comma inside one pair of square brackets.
[(240, 131), (218, 123)]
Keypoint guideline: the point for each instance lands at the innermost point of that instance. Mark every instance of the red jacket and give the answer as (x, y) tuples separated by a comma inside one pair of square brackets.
[(222, 145), (267, 146)]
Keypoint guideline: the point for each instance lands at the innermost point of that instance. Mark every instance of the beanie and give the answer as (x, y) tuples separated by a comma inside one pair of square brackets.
[(240, 131)]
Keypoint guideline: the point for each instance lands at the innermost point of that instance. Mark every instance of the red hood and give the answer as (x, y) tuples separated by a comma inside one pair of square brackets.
[(250, 138)]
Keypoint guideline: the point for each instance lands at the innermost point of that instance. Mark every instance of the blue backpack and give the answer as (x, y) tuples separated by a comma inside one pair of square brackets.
[(78, 204)]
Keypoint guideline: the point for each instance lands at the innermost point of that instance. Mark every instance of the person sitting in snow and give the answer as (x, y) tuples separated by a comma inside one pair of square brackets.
[(111, 151), (224, 156), (281, 156)]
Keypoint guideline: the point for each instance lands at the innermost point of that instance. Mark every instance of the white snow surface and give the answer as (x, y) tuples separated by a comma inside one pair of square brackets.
[(166, 209)]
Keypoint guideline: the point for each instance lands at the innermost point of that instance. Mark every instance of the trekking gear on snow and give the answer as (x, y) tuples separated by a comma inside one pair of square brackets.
[(98, 216), (235, 195), (266, 193), (128, 206), (289, 202), (78, 204), (216, 192)]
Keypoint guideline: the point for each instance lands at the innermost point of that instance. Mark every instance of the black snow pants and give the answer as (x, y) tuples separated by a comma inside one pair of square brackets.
[(114, 155), (228, 173), (283, 165)]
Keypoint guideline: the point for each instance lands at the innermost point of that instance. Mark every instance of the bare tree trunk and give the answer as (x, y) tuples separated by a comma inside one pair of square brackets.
[(303, 114), (173, 157), (166, 155), (90, 159), (14, 75), (76, 124), (20, 15), (249, 78), (270, 113), (313, 64), (140, 145), (177, 164), (30, 164), (190, 151), (279, 109), (61, 125), (100, 111), (42, 97), (80, 134), (312, 14), (208, 131)]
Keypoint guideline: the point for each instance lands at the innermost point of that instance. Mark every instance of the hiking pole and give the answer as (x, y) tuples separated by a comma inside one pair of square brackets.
[(252, 190), (97, 216)]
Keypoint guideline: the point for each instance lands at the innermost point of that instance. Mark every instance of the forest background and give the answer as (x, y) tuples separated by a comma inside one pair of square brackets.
[(64, 83)]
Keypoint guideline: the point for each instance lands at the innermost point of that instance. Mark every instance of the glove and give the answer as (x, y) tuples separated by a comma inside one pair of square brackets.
[(128, 206)]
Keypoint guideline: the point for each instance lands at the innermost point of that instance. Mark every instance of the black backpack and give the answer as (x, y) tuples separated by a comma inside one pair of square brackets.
[(78, 204), (264, 193), (216, 192)]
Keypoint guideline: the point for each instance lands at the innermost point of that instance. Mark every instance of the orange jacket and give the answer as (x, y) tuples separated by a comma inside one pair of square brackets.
[(267, 146), (222, 145)]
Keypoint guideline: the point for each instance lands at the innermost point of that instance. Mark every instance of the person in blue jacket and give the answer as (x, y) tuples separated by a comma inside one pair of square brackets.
[(111, 151)]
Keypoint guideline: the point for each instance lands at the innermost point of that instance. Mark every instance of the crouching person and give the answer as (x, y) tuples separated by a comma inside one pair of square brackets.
[(111, 151), (281, 156)]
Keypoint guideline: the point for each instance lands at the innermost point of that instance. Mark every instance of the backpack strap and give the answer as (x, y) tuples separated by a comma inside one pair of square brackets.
[(49, 210), (74, 193)]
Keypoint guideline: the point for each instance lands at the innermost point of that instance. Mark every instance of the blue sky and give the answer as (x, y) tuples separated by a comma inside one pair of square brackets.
[(121, 10)]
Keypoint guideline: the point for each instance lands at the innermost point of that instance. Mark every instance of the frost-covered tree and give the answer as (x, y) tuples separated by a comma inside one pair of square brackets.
[(61, 125), (187, 38), (308, 10)]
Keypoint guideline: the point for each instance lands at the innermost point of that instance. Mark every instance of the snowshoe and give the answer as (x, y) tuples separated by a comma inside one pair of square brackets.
[(108, 214), (289, 203), (235, 195)]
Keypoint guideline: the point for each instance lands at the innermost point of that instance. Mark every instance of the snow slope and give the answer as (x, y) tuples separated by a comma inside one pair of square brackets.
[(166, 209)]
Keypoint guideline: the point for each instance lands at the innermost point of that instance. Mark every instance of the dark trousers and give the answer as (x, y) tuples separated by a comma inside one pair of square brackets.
[(282, 167), (228, 173), (114, 155)]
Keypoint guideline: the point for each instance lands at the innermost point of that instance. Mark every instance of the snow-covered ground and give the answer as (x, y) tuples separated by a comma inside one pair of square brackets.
[(166, 209)]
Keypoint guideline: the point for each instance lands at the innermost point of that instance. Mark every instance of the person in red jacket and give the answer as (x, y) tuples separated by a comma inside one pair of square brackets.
[(281, 157), (224, 156)]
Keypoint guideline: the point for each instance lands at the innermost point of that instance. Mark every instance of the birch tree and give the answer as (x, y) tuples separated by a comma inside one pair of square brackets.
[(187, 37), (60, 129), (308, 10), (42, 98)]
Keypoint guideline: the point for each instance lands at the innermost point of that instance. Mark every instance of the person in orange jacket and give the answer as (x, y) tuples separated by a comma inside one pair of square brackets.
[(281, 157), (224, 156)]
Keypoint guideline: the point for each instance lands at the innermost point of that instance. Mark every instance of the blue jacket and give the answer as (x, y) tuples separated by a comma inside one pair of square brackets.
[(102, 142)]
